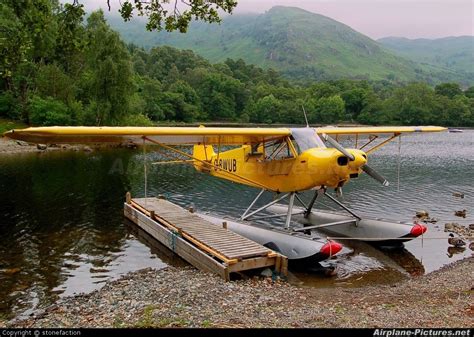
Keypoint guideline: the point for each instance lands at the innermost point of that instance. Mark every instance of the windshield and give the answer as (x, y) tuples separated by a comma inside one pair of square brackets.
[(305, 139)]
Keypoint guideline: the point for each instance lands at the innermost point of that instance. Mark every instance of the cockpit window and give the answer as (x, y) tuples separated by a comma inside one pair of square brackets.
[(305, 139)]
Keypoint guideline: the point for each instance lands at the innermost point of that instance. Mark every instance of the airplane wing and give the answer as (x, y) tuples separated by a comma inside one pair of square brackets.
[(163, 135), (377, 130), (372, 133)]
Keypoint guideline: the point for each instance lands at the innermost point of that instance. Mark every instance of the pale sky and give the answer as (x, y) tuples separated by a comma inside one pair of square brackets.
[(375, 18)]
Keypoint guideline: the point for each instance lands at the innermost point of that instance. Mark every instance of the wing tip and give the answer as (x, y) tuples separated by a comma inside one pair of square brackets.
[(7, 134)]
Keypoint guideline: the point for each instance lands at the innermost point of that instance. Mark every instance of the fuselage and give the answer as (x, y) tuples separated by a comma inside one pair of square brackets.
[(295, 163)]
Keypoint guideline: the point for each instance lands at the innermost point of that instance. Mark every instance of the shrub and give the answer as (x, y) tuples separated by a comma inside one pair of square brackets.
[(136, 120), (48, 112), (9, 106)]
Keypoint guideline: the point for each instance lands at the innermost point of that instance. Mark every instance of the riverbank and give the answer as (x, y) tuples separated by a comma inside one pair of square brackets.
[(186, 297), (8, 146)]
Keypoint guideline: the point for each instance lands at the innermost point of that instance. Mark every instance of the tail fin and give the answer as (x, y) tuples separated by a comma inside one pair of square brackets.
[(203, 153)]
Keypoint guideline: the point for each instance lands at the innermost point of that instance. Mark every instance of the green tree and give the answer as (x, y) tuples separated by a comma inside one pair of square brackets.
[(51, 81), (412, 104), (448, 89), (469, 92), (15, 42), (267, 110), (70, 42), (163, 15), (322, 89), (355, 100), (330, 109), (108, 79)]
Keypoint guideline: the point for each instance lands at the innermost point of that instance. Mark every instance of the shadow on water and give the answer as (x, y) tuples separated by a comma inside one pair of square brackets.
[(63, 231)]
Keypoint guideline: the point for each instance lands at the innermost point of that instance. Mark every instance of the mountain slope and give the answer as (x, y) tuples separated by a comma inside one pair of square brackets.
[(300, 44), (456, 53)]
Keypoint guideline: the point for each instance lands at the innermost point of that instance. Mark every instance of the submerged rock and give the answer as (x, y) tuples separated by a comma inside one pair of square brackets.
[(456, 242), (41, 147), (450, 226), (461, 213), (267, 272), (422, 214)]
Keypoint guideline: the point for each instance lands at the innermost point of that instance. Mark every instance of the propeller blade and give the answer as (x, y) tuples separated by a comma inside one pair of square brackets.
[(339, 147), (371, 172)]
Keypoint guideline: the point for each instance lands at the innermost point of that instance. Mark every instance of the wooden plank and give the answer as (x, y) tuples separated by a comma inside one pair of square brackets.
[(242, 249), (217, 240), (205, 247), (258, 262), (201, 226), (208, 235), (205, 238), (224, 242), (284, 266), (152, 229), (205, 228), (200, 259), (234, 245), (234, 250), (241, 254), (224, 237), (278, 263), (223, 247), (188, 252), (218, 234), (212, 235)]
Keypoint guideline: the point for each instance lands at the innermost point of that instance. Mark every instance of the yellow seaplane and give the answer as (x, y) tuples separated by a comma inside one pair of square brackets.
[(282, 161)]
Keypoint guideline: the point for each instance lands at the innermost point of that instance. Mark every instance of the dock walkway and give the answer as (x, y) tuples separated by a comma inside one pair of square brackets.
[(199, 242)]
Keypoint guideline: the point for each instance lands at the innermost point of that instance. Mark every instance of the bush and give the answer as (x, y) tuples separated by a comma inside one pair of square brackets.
[(48, 112), (136, 120), (9, 106)]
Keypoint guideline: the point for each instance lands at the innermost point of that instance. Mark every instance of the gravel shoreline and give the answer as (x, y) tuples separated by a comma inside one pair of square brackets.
[(186, 297), (10, 147)]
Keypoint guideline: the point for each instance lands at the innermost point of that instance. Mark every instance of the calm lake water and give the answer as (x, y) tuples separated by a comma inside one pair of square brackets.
[(63, 232)]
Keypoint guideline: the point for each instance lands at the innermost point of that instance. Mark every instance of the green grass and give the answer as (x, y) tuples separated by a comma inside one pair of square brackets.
[(146, 321), (8, 124)]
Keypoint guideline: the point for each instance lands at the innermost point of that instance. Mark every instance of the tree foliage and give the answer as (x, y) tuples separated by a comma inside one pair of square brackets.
[(177, 15), (58, 68)]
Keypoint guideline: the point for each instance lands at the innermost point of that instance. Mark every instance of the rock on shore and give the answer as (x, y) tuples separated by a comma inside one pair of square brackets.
[(186, 297)]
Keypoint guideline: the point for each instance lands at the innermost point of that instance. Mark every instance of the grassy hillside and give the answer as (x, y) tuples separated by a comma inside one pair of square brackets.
[(300, 44), (455, 53)]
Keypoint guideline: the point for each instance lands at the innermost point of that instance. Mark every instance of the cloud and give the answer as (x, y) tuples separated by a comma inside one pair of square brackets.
[(375, 18)]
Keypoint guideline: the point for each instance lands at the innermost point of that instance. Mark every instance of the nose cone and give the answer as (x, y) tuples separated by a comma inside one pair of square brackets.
[(347, 168), (360, 159), (329, 167)]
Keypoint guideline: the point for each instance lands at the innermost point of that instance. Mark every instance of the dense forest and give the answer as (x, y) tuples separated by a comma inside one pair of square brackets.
[(58, 67)]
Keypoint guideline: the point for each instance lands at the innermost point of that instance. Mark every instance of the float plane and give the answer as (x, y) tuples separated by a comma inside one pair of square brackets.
[(282, 161)]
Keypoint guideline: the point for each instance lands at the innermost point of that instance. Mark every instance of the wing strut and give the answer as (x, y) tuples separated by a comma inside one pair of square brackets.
[(207, 163)]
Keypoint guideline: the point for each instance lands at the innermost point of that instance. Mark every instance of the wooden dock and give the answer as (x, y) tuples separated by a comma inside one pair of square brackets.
[(199, 242)]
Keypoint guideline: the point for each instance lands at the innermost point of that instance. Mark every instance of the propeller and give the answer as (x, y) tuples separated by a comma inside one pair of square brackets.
[(339, 147), (371, 172), (366, 168)]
